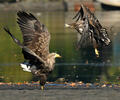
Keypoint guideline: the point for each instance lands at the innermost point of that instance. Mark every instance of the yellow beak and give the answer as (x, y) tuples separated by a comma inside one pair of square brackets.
[(67, 25), (57, 56)]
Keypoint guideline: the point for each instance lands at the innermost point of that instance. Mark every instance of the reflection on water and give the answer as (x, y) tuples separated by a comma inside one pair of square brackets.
[(75, 65)]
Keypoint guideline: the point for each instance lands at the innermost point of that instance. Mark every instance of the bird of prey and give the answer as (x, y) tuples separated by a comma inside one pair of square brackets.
[(90, 29), (35, 46)]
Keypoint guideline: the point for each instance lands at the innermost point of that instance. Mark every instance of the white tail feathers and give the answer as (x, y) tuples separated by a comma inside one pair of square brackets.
[(25, 67)]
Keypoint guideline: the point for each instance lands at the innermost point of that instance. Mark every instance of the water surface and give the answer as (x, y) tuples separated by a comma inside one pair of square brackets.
[(75, 65)]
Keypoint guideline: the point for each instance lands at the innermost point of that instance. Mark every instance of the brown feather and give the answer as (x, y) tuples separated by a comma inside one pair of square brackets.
[(35, 35)]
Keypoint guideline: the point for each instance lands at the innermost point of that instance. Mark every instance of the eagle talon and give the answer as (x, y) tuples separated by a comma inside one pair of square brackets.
[(96, 52), (42, 87)]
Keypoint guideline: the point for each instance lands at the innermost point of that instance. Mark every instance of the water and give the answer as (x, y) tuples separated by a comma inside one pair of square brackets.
[(75, 65)]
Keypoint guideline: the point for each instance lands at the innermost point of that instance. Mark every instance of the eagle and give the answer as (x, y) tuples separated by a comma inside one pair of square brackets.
[(35, 47), (90, 29)]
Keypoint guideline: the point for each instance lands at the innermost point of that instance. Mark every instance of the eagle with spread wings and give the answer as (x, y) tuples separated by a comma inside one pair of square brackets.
[(90, 29), (35, 46)]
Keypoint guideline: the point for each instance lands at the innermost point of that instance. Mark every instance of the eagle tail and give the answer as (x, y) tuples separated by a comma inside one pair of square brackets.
[(25, 67), (13, 37)]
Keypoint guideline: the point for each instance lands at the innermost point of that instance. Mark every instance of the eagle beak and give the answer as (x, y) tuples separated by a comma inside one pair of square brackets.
[(67, 25), (57, 56)]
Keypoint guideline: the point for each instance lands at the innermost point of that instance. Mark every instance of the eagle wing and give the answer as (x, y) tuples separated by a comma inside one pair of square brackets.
[(86, 35), (83, 12), (79, 14), (35, 35), (99, 33)]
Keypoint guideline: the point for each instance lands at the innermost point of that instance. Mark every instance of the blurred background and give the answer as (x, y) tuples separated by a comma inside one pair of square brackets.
[(75, 65)]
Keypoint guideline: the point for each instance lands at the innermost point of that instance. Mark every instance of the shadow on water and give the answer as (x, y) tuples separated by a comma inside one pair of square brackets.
[(75, 65)]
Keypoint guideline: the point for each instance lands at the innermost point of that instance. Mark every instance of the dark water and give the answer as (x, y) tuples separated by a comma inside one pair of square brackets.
[(75, 65)]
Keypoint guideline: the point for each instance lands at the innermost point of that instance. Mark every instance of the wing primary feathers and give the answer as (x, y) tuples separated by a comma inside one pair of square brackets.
[(23, 15), (14, 39), (79, 14), (29, 22), (76, 14), (23, 47), (78, 17), (32, 16)]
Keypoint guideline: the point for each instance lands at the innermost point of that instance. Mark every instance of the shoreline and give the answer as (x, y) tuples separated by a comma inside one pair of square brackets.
[(61, 94), (40, 6), (43, 6)]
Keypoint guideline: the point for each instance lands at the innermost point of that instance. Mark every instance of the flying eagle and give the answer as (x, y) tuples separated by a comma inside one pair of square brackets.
[(90, 29), (35, 46)]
